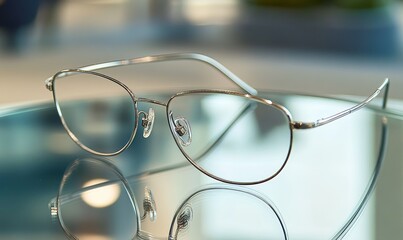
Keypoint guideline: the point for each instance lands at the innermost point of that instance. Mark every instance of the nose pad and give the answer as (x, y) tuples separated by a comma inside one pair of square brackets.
[(183, 131), (149, 206), (184, 218), (147, 122)]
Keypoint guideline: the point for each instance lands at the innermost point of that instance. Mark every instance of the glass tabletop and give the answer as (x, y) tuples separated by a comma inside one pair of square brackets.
[(317, 195)]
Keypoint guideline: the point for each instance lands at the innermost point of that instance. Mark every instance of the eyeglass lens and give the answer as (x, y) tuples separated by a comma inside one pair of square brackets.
[(225, 132), (98, 112)]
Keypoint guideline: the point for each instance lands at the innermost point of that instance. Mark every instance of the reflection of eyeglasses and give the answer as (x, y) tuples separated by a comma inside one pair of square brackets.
[(96, 201), (214, 129)]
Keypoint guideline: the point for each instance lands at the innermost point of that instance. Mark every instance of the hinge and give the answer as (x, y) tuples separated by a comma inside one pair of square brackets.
[(302, 125), (49, 84)]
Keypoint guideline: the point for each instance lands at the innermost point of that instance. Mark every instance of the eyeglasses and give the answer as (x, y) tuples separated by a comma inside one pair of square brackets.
[(95, 201), (214, 129)]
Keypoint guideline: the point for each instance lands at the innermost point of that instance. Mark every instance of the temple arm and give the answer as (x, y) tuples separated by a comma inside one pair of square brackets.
[(161, 58), (326, 120)]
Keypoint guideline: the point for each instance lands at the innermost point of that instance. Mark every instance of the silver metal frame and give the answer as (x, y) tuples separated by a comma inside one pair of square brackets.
[(251, 93)]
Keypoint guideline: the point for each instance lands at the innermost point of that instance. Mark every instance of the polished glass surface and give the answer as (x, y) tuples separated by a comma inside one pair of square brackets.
[(328, 175)]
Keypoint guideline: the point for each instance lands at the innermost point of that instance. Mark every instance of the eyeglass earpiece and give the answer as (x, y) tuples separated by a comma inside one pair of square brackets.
[(183, 131), (150, 208), (147, 122)]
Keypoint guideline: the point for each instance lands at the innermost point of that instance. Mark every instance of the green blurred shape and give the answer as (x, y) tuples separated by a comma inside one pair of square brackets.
[(286, 3), (362, 4)]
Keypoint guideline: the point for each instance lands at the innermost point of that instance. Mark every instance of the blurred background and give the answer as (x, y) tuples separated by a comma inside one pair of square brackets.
[(315, 46), (325, 47)]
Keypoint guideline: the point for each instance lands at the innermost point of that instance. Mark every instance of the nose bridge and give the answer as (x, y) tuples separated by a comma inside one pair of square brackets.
[(147, 119), (148, 100)]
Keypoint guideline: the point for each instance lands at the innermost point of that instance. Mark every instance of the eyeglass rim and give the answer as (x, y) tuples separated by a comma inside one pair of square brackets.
[(65, 125), (56, 201), (233, 93)]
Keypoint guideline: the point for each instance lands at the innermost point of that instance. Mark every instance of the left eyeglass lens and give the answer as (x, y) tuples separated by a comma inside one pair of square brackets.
[(98, 112), (95, 204)]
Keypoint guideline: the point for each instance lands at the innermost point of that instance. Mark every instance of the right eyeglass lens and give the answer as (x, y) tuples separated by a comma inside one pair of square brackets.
[(95, 204), (227, 130), (98, 112)]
